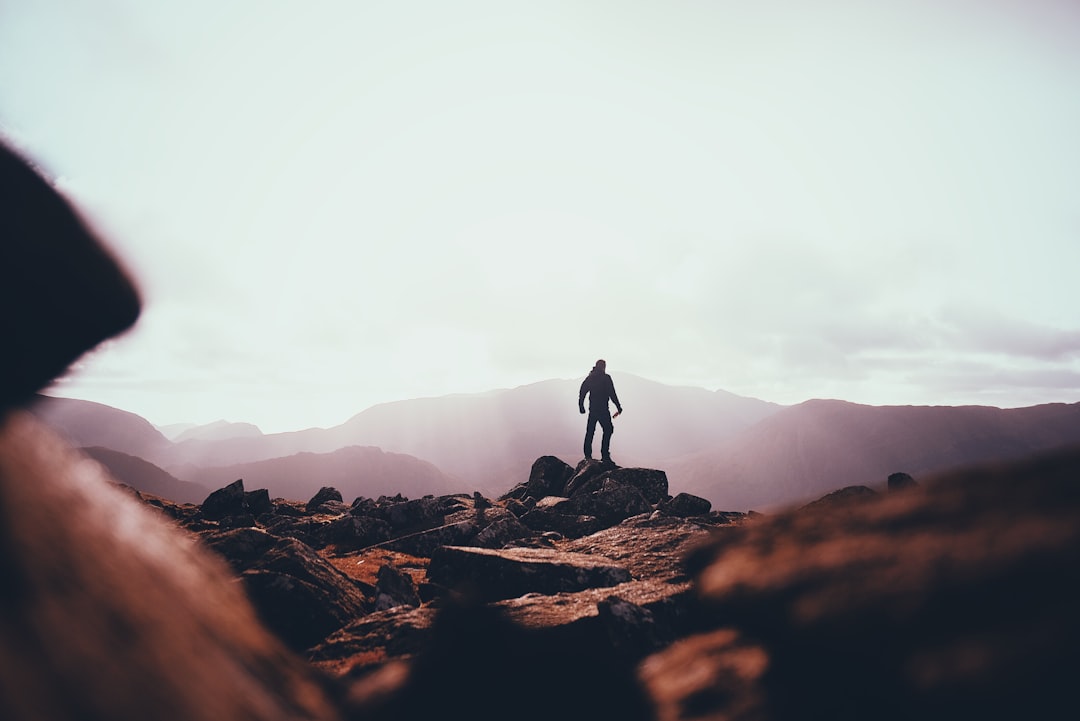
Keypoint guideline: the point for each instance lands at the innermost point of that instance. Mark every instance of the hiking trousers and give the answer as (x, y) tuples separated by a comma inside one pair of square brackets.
[(604, 419)]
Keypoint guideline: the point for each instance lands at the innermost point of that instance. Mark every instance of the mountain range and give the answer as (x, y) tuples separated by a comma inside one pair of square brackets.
[(740, 453)]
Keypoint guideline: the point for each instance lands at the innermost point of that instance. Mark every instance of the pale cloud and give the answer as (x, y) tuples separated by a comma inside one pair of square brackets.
[(344, 204)]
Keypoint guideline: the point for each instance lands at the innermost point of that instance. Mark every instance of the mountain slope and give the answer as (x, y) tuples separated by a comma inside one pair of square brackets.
[(354, 471), (218, 431), (818, 446), (145, 476), (89, 424), (490, 439)]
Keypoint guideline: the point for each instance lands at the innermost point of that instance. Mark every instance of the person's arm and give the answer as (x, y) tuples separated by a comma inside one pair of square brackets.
[(614, 395), (581, 395)]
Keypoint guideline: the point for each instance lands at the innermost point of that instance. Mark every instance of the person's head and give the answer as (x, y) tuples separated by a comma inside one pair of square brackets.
[(601, 366)]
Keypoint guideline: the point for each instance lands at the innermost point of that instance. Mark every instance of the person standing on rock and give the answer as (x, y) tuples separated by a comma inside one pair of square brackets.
[(601, 390)]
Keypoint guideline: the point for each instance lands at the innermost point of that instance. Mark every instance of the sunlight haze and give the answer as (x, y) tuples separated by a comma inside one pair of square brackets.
[(330, 205)]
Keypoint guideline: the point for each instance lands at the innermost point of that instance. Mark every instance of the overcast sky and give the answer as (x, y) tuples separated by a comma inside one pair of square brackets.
[(329, 205)]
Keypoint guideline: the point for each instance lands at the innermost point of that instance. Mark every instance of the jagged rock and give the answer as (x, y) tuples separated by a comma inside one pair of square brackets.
[(394, 588), (518, 508), (407, 516), (496, 574), (548, 477), (631, 629), (900, 481), (685, 505), (615, 500), (232, 507), (565, 524), (258, 502), (586, 471), (324, 494), (424, 543), (241, 547), (300, 595), (305, 529), (652, 483), (224, 502), (501, 531), (352, 531)]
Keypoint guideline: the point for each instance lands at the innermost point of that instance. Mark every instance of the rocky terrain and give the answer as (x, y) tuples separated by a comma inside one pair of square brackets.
[(591, 593), (580, 593)]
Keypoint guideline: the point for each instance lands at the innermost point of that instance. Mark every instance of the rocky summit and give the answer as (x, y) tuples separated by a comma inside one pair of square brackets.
[(590, 592)]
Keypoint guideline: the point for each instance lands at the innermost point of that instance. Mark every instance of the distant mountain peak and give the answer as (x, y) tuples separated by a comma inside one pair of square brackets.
[(220, 430)]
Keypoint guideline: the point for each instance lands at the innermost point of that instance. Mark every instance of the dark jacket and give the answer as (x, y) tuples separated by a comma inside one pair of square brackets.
[(600, 388)]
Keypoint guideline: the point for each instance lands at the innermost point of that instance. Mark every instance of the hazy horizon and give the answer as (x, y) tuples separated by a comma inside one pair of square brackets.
[(329, 206)]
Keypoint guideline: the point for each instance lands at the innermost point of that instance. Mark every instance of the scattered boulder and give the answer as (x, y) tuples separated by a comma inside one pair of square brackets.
[(504, 529), (232, 507), (685, 505), (224, 502), (324, 495), (258, 502), (586, 470), (548, 477), (615, 500), (297, 593), (394, 588)]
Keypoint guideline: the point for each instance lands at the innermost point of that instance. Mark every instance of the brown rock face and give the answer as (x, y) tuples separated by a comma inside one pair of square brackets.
[(945, 601)]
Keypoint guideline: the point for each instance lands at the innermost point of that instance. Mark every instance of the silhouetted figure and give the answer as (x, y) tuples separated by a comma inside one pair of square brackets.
[(601, 390)]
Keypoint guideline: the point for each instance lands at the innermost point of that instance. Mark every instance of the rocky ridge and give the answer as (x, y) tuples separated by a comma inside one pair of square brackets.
[(637, 604), (354, 586)]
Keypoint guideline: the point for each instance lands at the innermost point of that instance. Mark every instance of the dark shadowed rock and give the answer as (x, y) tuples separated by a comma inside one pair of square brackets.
[(900, 481), (504, 529), (614, 501), (652, 483), (258, 502), (548, 477), (353, 531), (224, 502), (495, 574), (394, 588), (296, 592), (586, 470), (526, 674), (685, 505), (424, 543), (566, 524), (631, 629), (242, 546), (323, 495), (406, 516)]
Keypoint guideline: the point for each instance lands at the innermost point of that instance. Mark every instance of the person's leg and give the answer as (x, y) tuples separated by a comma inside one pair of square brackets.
[(605, 440), (590, 429)]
